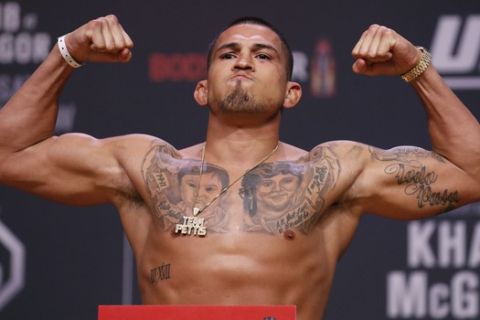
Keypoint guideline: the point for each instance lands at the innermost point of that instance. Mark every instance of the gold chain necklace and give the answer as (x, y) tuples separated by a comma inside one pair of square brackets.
[(196, 226)]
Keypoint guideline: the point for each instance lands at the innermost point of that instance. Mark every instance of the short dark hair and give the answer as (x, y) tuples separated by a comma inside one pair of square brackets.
[(194, 169), (261, 22)]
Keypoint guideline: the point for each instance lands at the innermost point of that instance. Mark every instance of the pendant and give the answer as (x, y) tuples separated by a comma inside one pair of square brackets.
[(192, 226), (196, 211)]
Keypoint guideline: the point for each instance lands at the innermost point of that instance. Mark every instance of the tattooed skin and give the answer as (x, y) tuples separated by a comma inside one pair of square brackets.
[(160, 273), (418, 182), (408, 170), (404, 154), (276, 196), (285, 195), (175, 188)]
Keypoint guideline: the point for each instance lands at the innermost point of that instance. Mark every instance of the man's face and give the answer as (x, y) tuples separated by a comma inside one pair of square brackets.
[(275, 194), (210, 186), (247, 72)]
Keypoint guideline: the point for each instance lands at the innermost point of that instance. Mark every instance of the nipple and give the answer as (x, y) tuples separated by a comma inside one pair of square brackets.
[(289, 234)]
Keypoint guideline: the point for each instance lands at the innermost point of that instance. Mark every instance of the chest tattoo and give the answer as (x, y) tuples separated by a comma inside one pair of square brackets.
[(284, 195), (174, 185), (272, 198)]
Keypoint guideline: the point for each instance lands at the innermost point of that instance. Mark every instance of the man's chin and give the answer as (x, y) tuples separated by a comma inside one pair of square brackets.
[(239, 110)]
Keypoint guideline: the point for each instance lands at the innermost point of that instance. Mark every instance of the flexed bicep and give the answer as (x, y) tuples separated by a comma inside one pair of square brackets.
[(410, 182), (74, 168)]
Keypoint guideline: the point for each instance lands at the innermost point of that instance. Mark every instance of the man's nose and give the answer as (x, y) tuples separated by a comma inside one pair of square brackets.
[(244, 62)]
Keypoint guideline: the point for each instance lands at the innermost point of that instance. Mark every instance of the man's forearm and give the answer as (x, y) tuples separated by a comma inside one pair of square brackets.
[(30, 115), (454, 131)]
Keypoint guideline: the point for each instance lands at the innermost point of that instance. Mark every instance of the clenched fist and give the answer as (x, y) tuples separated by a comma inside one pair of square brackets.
[(100, 40), (382, 51)]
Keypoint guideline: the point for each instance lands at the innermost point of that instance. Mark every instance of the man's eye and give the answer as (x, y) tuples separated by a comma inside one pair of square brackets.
[(263, 56), (227, 55)]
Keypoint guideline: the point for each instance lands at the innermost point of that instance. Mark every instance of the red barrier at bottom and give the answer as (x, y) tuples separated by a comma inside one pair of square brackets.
[(186, 312)]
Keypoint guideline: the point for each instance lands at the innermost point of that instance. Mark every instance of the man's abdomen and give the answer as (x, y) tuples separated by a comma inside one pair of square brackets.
[(237, 269)]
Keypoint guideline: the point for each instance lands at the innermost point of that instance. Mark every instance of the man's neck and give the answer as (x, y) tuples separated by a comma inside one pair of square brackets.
[(237, 145)]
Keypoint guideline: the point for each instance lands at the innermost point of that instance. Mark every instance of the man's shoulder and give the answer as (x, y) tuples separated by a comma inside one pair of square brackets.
[(137, 143), (132, 149), (339, 149), (340, 145)]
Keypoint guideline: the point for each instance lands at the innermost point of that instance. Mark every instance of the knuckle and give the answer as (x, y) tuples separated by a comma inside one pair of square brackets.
[(382, 29), (94, 24), (387, 31), (99, 23), (109, 46), (118, 43), (100, 45), (112, 18)]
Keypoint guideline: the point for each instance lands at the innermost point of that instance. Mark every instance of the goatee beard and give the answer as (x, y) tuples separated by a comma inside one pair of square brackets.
[(240, 101)]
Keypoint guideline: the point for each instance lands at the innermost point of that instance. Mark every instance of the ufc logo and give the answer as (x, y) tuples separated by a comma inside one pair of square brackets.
[(456, 50)]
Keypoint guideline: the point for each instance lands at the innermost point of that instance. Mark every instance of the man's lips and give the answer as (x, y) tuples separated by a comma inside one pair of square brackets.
[(240, 76)]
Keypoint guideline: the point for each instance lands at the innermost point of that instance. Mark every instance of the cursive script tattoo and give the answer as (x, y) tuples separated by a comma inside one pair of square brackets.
[(160, 273), (408, 168), (418, 182)]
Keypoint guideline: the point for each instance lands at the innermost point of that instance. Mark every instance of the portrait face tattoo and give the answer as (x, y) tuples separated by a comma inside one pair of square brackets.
[(213, 180), (275, 194), (270, 189), (209, 187)]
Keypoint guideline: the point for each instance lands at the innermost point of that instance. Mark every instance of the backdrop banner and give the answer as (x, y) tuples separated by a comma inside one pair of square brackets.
[(60, 262)]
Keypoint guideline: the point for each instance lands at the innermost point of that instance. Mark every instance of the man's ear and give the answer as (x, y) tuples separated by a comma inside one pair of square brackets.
[(201, 93), (292, 95)]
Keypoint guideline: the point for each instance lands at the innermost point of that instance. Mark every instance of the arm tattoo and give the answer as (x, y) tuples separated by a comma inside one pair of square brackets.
[(408, 170), (404, 154)]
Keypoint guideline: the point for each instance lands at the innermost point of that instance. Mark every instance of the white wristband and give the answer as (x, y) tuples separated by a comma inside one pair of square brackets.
[(65, 54)]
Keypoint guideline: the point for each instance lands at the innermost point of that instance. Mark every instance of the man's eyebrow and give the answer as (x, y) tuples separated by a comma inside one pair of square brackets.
[(229, 45), (255, 47), (260, 46)]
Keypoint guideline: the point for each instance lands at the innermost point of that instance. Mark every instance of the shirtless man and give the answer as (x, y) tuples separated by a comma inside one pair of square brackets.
[(241, 262)]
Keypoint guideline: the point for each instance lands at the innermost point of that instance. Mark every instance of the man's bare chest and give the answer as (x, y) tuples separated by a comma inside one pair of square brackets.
[(270, 198)]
